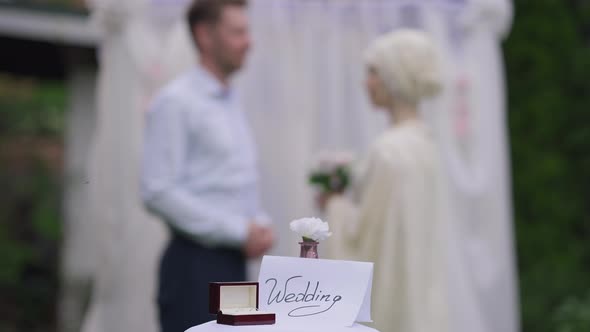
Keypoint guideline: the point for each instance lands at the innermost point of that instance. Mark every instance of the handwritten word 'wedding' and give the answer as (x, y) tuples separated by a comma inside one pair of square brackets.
[(313, 303)]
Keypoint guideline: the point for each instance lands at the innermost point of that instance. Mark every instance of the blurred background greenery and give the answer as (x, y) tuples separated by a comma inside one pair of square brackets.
[(31, 130), (548, 66), (548, 71)]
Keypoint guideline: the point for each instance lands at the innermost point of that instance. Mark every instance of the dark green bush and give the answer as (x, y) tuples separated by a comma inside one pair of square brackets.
[(548, 67), (31, 124)]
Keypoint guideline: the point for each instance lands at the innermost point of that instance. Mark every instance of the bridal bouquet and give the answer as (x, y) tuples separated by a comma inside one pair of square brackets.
[(332, 172)]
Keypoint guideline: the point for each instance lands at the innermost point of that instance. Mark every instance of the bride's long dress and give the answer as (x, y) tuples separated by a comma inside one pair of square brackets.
[(400, 223), (144, 44), (469, 125)]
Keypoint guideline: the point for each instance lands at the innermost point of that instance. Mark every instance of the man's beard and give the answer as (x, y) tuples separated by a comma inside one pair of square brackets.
[(226, 65), (229, 68)]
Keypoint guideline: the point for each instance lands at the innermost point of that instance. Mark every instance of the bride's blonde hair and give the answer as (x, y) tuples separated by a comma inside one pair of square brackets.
[(407, 62)]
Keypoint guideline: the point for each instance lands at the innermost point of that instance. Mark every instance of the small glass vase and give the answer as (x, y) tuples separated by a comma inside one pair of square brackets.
[(309, 249)]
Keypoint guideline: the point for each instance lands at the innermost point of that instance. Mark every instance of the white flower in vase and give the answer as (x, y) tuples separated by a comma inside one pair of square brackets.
[(311, 229)]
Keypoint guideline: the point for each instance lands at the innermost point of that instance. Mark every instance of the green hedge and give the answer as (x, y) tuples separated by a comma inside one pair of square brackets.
[(548, 67), (31, 126)]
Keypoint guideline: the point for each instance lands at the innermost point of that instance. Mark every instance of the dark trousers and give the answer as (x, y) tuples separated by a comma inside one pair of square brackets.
[(186, 269)]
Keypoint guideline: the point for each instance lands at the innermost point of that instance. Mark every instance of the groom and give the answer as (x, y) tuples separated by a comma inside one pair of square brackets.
[(199, 170)]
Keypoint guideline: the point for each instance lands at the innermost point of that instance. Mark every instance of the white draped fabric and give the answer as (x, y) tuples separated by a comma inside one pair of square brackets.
[(303, 90), (77, 265), (144, 44)]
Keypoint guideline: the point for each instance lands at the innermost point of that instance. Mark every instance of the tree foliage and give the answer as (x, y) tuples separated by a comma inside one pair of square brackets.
[(548, 69)]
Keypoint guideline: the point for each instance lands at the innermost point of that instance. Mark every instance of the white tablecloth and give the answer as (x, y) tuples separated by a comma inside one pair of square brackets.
[(214, 327)]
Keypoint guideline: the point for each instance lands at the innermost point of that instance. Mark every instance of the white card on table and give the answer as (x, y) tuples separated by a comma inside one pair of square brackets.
[(315, 292)]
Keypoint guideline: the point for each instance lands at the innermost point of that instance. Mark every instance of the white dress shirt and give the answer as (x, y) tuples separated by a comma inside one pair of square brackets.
[(199, 168)]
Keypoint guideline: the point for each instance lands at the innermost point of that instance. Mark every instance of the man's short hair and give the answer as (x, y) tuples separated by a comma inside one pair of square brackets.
[(209, 11)]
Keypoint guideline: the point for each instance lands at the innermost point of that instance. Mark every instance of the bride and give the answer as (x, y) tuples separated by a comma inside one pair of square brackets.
[(399, 219)]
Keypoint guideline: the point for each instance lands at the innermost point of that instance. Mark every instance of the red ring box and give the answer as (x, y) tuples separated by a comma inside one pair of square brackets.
[(236, 303)]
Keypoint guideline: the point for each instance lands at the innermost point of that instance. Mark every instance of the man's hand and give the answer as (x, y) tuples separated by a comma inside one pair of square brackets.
[(260, 240)]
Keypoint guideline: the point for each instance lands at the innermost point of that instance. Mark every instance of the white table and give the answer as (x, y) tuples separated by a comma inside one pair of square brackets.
[(214, 327)]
